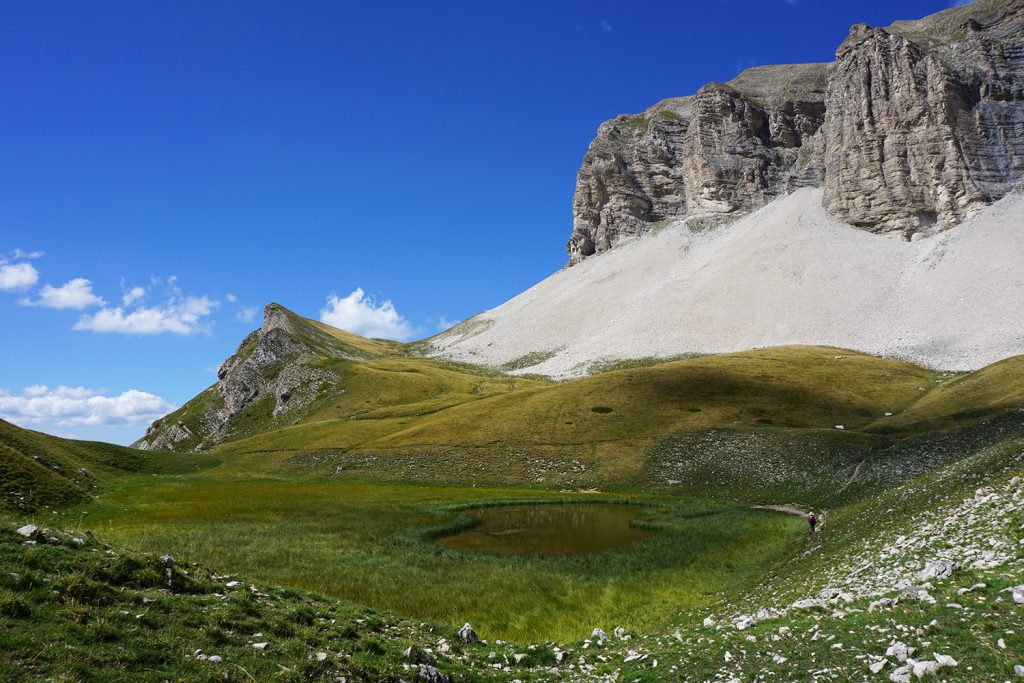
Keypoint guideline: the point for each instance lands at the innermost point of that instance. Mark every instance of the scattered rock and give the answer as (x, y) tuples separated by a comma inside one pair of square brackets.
[(432, 675), (467, 634), (942, 569), (28, 530)]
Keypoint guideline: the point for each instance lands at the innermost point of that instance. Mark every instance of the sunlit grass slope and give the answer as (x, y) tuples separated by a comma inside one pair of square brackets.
[(820, 415), (38, 469)]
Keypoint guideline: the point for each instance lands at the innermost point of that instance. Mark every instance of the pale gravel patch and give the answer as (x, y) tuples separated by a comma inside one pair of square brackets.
[(785, 274)]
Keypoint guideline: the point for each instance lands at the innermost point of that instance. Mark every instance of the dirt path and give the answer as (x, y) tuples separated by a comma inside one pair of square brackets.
[(853, 476), (789, 509)]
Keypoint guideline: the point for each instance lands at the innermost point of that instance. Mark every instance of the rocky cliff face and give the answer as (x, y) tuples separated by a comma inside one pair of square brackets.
[(731, 147), (925, 120), (911, 130), (272, 376)]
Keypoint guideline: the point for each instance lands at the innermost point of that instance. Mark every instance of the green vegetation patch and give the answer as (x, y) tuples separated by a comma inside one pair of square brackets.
[(374, 545)]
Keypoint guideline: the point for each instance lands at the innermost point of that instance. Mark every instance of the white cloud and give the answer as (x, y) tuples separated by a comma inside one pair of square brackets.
[(179, 315), (230, 298), (246, 315), (443, 323), (75, 293), (606, 27), (361, 314), (17, 276), (132, 295), (19, 254), (81, 406)]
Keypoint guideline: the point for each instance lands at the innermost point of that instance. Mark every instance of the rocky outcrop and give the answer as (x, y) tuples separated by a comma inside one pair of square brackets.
[(925, 120), (731, 147), (911, 130), (272, 376)]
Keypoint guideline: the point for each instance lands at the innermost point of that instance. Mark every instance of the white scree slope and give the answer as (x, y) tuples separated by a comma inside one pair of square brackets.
[(785, 274)]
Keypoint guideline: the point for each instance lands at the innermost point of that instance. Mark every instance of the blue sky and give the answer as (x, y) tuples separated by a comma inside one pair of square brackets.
[(169, 168)]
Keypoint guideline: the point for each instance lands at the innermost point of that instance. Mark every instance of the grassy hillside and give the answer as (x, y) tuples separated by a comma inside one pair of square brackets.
[(345, 376), (38, 470), (87, 612), (709, 425)]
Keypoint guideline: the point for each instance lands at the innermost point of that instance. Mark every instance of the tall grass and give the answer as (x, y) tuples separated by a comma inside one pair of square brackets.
[(374, 544)]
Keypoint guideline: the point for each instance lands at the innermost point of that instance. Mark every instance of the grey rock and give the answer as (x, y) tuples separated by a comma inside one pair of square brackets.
[(924, 120), (467, 634), (1017, 593), (941, 569), (912, 129), (730, 147), (599, 635), (432, 675), (900, 651), (809, 603), (28, 530), (918, 593), (900, 675)]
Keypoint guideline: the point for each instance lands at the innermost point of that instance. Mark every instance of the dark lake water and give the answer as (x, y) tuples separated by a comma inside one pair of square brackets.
[(566, 529)]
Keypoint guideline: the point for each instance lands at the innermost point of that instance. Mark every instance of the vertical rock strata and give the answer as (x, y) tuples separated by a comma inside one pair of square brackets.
[(925, 120), (912, 129), (731, 147)]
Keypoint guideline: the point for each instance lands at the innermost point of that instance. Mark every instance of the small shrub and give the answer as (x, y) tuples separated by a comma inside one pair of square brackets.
[(15, 608), (601, 409)]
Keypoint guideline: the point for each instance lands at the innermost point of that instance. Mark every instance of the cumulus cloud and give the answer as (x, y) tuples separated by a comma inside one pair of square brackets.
[(76, 293), (179, 315), (68, 406), (132, 295), (359, 313), (230, 298), (246, 315), (14, 276)]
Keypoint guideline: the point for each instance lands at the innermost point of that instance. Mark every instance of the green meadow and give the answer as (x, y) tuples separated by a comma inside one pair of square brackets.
[(374, 545), (328, 518)]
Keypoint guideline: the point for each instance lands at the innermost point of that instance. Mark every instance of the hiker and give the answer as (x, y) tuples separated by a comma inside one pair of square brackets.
[(811, 520)]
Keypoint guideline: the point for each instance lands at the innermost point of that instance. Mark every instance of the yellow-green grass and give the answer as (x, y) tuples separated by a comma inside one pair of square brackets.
[(412, 418), (37, 469), (963, 399), (373, 544)]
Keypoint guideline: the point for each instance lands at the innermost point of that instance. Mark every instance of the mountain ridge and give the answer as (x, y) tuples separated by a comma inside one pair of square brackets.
[(912, 129)]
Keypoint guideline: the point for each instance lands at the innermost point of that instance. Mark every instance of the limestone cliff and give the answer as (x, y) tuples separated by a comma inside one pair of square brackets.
[(925, 119), (912, 129), (731, 147)]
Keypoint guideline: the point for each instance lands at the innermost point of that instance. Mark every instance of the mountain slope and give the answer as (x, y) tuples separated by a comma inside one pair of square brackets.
[(785, 274), (914, 128), (38, 470), (295, 370)]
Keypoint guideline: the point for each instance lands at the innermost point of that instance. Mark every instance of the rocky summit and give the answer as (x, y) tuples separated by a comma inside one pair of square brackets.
[(912, 129), (273, 366)]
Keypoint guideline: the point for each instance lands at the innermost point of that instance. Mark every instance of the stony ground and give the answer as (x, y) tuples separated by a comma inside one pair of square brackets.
[(785, 274)]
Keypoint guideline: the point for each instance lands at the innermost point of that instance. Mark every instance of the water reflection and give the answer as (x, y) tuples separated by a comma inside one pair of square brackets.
[(566, 529)]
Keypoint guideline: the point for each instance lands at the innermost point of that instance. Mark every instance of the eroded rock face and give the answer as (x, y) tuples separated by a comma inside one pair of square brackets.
[(731, 147), (912, 129), (925, 121), (270, 363)]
